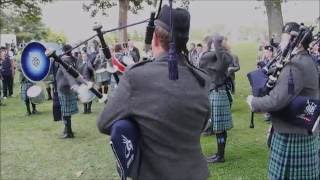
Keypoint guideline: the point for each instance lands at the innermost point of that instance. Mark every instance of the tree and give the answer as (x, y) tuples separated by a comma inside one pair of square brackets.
[(275, 19), (27, 29), (102, 6), (27, 8)]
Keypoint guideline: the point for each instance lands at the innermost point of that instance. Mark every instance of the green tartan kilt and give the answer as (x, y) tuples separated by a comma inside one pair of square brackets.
[(68, 103), (294, 156), (220, 110), (24, 88)]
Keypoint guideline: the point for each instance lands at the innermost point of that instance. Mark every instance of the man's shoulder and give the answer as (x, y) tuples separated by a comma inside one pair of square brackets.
[(139, 65)]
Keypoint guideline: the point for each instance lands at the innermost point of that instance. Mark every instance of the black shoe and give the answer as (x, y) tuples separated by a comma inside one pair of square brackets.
[(211, 157), (67, 135), (215, 159), (35, 111)]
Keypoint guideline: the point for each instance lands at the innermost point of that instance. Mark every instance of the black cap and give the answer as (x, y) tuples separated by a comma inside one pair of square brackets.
[(269, 48), (291, 26), (181, 22), (66, 47)]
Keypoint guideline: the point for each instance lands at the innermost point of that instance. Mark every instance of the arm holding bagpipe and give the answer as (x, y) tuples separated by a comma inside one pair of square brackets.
[(75, 74), (261, 80), (281, 93)]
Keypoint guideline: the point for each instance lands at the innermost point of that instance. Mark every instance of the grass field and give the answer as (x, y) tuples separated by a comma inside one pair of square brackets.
[(31, 149)]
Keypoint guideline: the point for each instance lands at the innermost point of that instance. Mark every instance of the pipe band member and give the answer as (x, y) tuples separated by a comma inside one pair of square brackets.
[(215, 63), (67, 97), (294, 153), (86, 69), (25, 85), (170, 112)]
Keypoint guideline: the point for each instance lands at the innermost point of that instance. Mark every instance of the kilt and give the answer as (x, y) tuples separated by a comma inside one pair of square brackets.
[(220, 110), (294, 156), (24, 88), (68, 103)]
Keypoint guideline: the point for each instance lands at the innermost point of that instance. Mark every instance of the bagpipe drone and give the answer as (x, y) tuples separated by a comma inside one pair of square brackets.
[(301, 111)]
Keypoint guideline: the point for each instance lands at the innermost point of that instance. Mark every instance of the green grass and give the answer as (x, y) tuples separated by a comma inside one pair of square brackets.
[(30, 148)]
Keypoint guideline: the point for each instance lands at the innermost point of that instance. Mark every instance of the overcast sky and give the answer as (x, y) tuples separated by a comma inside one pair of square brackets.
[(68, 16)]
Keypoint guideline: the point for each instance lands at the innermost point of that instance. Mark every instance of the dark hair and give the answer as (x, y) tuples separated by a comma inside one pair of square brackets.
[(307, 40), (66, 48), (290, 26), (117, 48), (199, 45)]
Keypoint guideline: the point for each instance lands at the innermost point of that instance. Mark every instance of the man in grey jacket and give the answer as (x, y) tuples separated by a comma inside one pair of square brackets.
[(216, 64), (170, 113), (67, 96), (294, 153)]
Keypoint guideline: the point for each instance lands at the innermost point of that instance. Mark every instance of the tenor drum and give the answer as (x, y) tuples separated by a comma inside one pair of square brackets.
[(36, 94), (102, 75), (84, 94)]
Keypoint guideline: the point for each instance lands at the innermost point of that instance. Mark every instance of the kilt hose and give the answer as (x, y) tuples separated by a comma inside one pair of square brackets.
[(68, 103), (294, 156), (24, 88), (220, 110)]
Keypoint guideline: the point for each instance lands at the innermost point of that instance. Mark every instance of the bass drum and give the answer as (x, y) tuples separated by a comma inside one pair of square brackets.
[(36, 94)]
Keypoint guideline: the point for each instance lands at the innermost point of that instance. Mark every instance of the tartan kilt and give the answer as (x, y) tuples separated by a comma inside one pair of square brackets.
[(68, 103), (294, 156), (24, 88), (220, 110)]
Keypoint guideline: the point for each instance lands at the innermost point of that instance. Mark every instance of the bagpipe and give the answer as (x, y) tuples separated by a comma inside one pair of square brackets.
[(36, 62), (301, 111)]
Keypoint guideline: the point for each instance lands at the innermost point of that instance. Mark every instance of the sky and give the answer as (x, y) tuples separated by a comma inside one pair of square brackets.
[(69, 18)]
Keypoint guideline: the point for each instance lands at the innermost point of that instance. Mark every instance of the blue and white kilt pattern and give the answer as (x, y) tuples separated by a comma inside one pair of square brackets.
[(294, 156), (220, 110), (68, 103), (24, 88)]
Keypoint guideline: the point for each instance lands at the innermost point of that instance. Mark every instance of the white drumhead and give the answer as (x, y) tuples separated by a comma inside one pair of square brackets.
[(112, 69), (128, 60), (34, 91), (84, 94), (101, 70)]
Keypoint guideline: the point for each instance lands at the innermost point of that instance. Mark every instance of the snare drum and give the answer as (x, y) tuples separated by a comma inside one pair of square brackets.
[(36, 94), (102, 75)]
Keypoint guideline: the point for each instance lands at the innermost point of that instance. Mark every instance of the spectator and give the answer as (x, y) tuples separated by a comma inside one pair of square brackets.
[(134, 52), (267, 56), (7, 73), (193, 54)]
